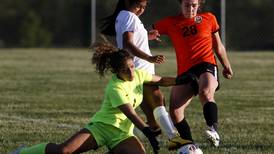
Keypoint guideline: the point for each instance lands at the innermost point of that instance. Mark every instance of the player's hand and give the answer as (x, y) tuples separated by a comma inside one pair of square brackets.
[(158, 59), (227, 72), (154, 35), (151, 135)]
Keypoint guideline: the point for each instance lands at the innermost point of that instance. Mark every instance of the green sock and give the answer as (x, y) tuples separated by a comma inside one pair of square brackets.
[(36, 149)]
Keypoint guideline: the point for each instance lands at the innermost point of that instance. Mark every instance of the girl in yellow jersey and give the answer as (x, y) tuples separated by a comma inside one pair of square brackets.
[(112, 125)]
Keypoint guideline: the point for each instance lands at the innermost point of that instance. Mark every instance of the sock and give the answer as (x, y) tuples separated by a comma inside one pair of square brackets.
[(36, 149), (184, 130), (164, 121), (211, 114)]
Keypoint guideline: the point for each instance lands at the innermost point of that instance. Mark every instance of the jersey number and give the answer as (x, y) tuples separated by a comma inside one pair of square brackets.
[(189, 30)]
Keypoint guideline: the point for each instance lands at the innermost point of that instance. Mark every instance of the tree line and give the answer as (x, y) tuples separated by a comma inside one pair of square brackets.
[(67, 23)]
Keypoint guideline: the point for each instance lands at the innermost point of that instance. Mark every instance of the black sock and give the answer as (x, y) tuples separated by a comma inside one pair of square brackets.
[(184, 130), (211, 114)]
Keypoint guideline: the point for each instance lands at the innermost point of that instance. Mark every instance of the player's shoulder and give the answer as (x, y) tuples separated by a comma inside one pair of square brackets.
[(141, 73), (169, 19), (126, 15), (114, 82), (207, 14)]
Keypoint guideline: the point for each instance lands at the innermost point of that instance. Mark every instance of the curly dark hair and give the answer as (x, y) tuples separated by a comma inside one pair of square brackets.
[(108, 57)]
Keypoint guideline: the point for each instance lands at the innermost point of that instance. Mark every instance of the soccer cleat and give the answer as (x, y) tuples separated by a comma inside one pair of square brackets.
[(17, 151), (177, 142), (213, 137)]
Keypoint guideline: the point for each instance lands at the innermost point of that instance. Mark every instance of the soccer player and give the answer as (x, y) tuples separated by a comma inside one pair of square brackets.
[(130, 34), (112, 125), (195, 37)]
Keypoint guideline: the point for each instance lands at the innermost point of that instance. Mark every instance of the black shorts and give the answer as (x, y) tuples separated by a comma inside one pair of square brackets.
[(199, 69)]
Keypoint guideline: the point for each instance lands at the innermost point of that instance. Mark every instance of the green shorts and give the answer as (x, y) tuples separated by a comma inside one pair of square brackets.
[(107, 135)]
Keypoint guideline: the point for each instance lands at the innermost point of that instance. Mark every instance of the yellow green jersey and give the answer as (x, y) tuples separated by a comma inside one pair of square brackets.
[(119, 92)]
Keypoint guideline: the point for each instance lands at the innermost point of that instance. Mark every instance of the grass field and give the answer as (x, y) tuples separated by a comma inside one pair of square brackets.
[(48, 94)]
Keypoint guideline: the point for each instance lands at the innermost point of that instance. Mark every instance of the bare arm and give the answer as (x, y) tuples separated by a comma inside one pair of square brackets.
[(222, 56), (154, 35), (128, 44), (163, 81), (128, 110)]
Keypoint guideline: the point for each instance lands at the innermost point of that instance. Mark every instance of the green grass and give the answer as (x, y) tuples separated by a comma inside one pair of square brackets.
[(48, 94)]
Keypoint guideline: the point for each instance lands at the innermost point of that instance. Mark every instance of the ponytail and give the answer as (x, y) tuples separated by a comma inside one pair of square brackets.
[(108, 23)]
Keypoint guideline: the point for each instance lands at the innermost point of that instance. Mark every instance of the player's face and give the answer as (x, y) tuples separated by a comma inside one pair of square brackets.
[(139, 8), (189, 8), (126, 73)]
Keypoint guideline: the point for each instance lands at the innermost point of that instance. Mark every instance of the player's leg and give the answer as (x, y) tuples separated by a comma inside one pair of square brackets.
[(148, 111), (154, 97), (130, 145), (81, 141), (180, 98), (207, 86)]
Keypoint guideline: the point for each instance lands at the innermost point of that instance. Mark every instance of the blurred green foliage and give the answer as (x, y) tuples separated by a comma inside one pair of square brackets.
[(67, 23)]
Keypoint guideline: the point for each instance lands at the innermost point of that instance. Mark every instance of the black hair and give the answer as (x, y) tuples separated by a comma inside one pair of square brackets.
[(107, 57), (108, 23)]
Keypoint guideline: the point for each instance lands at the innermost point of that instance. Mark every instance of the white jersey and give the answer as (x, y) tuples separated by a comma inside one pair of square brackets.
[(127, 21)]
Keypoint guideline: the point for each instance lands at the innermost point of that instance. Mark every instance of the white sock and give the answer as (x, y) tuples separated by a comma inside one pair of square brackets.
[(164, 121)]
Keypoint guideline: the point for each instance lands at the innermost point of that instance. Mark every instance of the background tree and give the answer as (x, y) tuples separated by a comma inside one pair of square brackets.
[(66, 23)]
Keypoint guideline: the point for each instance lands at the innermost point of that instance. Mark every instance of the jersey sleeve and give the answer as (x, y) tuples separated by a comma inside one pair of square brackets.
[(144, 75), (161, 26), (215, 25), (118, 97), (129, 23)]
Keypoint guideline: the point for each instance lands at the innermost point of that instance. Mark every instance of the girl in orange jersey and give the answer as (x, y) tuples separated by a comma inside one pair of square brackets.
[(195, 38)]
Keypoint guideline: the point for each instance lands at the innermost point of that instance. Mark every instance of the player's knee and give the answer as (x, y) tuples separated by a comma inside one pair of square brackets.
[(66, 150), (177, 112), (158, 98), (206, 95)]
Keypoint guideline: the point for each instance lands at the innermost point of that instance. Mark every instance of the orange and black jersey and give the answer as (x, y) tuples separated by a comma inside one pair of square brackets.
[(191, 38)]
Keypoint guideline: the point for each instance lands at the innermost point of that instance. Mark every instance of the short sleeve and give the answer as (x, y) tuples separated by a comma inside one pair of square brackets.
[(129, 23), (215, 25), (144, 75), (118, 97)]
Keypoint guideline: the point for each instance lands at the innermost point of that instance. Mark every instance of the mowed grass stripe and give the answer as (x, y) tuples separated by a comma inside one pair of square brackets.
[(48, 94)]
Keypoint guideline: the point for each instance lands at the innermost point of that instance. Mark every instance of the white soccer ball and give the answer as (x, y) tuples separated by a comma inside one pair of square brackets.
[(189, 149)]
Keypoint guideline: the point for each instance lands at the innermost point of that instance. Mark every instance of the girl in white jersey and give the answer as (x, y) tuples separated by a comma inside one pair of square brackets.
[(130, 34)]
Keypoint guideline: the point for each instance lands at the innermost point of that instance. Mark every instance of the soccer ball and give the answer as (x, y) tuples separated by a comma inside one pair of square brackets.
[(189, 149)]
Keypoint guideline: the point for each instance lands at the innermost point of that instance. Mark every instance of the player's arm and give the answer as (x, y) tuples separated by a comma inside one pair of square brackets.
[(129, 44), (129, 111), (162, 81), (222, 55), (154, 35)]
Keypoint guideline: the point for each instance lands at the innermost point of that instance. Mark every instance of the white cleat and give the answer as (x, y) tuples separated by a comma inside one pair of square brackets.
[(213, 137)]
